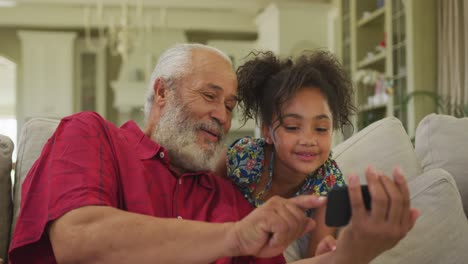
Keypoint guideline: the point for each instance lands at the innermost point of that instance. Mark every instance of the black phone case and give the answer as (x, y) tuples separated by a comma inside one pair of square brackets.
[(338, 211)]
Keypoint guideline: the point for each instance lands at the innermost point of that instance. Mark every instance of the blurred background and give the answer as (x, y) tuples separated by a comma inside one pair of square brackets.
[(57, 57)]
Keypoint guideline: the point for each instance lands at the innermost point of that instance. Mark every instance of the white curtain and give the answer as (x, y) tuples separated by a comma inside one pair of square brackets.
[(453, 52)]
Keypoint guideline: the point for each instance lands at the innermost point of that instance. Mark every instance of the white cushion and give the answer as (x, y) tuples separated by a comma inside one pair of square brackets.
[(442, 142), (384, 145), (34, 135), (441, 232)]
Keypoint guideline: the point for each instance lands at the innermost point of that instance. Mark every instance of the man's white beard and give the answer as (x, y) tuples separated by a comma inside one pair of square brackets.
[(177, 132)]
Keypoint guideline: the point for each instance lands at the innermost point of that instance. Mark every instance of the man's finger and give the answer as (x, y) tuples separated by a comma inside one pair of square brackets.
[(308, 201), (358, 210), (379, 201), (293, 222), (403, 186), (395, 202), (301, 218), (414, 215), (297, 205)]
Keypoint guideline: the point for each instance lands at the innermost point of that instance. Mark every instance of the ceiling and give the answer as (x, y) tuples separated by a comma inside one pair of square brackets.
[(235, 5), (189, 15)]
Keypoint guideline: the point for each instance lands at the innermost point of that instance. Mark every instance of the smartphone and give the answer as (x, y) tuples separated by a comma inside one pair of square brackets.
[(338, 211)]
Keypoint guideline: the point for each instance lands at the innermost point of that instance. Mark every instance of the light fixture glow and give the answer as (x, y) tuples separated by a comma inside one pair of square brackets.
[(7, 3)]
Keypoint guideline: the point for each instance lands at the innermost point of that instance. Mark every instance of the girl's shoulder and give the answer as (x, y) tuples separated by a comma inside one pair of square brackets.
[(245, 160), (247, 145), (325, 178)]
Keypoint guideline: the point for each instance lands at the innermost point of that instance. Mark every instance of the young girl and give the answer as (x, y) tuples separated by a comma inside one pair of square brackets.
[(297, 105)]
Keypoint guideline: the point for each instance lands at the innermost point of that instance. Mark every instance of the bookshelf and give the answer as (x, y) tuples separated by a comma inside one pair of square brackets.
[(372, 63), (389, 48), (365, 50)]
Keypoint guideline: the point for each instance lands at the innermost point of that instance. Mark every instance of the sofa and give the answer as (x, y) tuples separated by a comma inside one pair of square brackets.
[(436, 169)]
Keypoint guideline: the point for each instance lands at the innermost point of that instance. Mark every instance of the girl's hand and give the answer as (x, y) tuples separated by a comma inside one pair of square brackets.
[(327, 244)]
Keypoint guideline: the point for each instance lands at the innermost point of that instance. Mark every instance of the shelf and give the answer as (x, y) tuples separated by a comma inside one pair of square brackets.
[(380, 57), (397, 107), (399, 76), (365, 108), (371, 17), (399, 45)]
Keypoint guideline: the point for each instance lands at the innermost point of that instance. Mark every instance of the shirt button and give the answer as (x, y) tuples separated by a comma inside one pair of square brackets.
[(161, 155), (179, 217)]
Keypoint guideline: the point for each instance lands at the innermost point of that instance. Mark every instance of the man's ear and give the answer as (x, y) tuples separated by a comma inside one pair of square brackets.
[(266, 134), (160, 92)]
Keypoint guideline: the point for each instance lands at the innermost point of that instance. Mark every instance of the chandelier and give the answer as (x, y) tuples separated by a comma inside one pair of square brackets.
[(122, 30)]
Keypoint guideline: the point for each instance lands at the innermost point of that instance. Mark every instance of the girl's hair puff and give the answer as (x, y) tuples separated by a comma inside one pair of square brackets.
[(266, 83)]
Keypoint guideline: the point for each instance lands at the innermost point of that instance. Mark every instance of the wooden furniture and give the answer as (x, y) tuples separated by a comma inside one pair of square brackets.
[(391, 43)]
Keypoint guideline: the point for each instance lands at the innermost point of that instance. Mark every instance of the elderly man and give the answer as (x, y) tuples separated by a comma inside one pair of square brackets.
[(104, 194)]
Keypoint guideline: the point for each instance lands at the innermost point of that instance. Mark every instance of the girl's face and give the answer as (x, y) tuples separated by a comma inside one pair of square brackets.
[(302, 142)]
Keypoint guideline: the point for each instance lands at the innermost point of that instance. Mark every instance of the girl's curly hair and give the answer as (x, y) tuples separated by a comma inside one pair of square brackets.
[(266, 83)]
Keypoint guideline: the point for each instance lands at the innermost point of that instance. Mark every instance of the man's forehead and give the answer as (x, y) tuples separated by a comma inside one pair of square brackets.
[(207, 58), (213, 64), (232, 95)]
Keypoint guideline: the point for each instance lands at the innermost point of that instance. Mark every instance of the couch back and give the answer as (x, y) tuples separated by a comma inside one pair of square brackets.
[(6, 205), (441, 233), (383, 145), (442, 142)]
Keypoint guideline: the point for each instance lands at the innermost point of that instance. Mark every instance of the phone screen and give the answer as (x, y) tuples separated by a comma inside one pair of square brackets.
[(338, 211)]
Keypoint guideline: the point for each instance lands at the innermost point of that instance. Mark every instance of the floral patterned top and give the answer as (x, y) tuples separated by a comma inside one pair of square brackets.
[(246, 161)]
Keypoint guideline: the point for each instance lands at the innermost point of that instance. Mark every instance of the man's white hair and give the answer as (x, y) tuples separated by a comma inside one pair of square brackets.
[(173, 64)]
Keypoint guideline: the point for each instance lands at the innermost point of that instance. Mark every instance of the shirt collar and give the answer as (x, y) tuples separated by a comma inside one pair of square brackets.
[(204, 178), (144, 146)]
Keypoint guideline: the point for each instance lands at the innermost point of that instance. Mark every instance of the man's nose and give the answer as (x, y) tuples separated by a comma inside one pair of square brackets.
[(219, 114)]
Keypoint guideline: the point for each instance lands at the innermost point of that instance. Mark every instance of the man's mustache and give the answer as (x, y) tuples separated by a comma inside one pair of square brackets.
[(214, 128)]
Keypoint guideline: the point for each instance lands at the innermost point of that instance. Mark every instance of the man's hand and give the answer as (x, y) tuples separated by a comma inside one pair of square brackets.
[(390, 219), (269, 229)]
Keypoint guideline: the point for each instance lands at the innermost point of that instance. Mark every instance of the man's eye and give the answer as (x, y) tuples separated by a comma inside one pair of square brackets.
[(209, 96), (229, 108)]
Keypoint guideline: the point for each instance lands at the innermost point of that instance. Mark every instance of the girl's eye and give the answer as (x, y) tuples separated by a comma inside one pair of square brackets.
[(321, 129), (291, 128), (230, 109)]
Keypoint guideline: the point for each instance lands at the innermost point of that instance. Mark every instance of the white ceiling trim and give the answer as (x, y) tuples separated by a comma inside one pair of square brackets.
[(244, 5), (73, 17)]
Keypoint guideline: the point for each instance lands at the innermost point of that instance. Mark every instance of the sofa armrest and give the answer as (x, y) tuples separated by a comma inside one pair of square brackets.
[(6, 205)]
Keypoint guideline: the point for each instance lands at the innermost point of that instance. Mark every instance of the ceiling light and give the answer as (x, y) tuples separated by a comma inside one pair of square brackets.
[(7, 3)]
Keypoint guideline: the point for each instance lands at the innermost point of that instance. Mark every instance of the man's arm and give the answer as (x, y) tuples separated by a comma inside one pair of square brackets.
[(105, 234)]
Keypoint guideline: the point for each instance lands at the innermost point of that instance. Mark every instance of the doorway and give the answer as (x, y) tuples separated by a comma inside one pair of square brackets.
[(8, 124)]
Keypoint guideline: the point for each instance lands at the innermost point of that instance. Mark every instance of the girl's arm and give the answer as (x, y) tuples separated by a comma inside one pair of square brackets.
[(319, 232)]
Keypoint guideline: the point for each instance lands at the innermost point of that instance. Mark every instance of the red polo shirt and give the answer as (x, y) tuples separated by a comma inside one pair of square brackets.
[(89, 161)]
